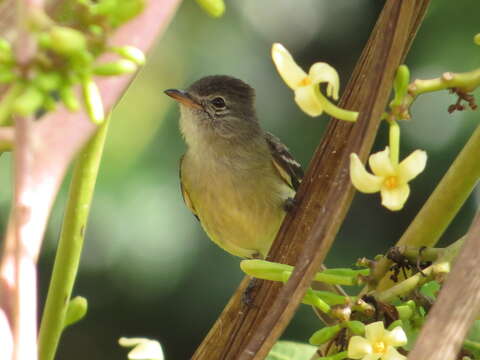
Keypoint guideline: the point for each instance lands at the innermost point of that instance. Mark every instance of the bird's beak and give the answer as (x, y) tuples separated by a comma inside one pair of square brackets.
[(183, 97)]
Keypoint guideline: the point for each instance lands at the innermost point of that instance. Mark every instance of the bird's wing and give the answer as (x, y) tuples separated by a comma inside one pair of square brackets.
[(288, 168), (186, 197)]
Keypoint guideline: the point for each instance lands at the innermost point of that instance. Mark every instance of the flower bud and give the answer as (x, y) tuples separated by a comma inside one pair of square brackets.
[(323, 335), (6, 54), (118, 67), (68, 98), (476, 39), (64, 41), (131, 53), (93, 101), (6, 75), (48, 81), (356, 327), (28, 101), (214, 8), (76, 310)]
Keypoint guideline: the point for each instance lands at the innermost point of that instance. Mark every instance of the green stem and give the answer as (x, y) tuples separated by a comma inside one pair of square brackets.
[(442, 205), (406, 286), (394, 140), (335, 111), (7, 102), (70, 243)]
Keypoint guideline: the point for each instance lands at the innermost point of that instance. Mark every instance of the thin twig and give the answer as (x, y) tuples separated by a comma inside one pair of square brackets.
[(456, 307)]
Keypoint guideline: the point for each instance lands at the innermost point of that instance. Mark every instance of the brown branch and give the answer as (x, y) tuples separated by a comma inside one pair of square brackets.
[(457, 306), (52, 142), (248, 332)]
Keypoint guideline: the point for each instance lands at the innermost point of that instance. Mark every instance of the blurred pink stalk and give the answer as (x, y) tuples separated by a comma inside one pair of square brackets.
[(43, 150)]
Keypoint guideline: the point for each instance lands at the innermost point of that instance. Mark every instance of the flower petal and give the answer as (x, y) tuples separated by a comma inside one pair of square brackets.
[(392, 354), (371, 357), (307, 100), (412, 165), (394, 199), (375, 331), (322, 72), (381, 164), (361, 178), (396, 337), (358, 347), (286, 66)]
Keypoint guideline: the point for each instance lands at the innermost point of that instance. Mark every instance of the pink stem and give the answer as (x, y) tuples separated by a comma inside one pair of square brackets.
[(52, 143)]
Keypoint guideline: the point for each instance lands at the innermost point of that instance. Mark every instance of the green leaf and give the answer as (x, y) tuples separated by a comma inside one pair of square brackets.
[(289, 350), (430, 289)]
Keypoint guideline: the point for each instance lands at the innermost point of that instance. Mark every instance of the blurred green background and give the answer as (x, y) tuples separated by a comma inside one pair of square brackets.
[(148, 269)]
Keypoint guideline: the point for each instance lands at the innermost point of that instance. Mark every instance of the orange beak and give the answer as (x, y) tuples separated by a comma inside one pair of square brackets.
[(183, 97)]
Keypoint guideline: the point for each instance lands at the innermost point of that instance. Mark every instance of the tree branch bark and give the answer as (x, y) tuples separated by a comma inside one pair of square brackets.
[(248, 332), (453, 314)]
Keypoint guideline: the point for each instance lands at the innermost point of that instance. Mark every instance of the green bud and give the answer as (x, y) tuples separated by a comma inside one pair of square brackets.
[(67, 95), (311, 299), (214, 8), (118, 67), (7, 75), (6, 54), (333, 299), (131, 53), (76, 310), (356, 327), (404, 312), (29, 101), (266, 270), (49, 103), (476, 39), (400, 85), (93, 101), (323, 335), (64, 41), (48, 81)]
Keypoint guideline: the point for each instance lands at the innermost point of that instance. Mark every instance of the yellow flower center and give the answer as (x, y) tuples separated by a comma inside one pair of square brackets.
[(391, 182), (305, 81), (379, 347)]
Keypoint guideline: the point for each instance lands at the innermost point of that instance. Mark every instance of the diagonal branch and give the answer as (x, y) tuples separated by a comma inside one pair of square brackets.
[(450, 319), (244, 332)]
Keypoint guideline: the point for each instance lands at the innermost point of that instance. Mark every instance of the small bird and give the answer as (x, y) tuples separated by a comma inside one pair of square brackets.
[(237, 179)]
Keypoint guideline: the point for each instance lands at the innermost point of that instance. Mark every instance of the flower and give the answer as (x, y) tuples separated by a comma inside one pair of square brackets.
[(378, 343), (143, 349), (306, 86), (389, 178)]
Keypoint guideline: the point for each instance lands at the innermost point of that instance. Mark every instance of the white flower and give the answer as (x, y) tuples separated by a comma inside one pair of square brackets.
[(378, 343), (143, 349), (388, 178), (308, 98)]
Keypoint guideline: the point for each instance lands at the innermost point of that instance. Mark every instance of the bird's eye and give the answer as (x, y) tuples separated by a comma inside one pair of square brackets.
[(218, 102)]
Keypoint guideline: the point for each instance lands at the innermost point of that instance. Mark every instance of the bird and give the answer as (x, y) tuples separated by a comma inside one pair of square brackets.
[(236, 178)]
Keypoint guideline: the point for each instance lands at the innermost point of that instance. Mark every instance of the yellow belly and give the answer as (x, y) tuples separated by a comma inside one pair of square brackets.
[(240, 216)]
